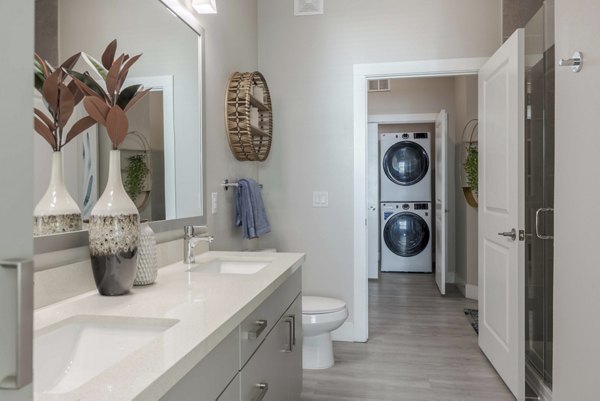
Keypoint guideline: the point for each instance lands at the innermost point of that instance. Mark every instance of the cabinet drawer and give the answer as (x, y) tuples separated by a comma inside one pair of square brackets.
[(207, 379), (264, 374), (255, 328), (232, 392)]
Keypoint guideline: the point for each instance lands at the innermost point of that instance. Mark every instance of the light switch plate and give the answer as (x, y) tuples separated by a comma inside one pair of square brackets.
[(320, 199), (214, 199)]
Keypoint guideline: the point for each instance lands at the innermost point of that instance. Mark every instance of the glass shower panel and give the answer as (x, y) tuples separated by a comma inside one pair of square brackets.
[(539, 189)]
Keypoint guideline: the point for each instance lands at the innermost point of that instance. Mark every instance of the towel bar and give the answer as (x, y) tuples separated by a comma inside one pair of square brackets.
[(226, 184)]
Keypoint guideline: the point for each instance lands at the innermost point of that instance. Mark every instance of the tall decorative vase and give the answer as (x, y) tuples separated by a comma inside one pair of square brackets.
[(114, 235), (56, 212)]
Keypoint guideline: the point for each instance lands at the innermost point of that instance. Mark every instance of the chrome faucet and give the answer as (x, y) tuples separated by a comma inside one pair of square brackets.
[(191, 239)]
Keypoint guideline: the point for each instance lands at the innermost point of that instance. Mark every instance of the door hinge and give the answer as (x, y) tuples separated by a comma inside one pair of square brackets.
[(521, 235)]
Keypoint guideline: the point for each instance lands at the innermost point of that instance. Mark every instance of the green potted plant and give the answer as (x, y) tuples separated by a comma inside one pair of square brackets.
[(471, 166), (137, 171)]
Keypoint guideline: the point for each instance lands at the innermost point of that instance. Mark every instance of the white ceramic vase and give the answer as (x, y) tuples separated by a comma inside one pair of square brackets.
[(147, 266), (57, 211), (114, 235)]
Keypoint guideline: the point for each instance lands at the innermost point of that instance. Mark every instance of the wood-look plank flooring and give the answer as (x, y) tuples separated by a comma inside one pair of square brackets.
[(421, 348)]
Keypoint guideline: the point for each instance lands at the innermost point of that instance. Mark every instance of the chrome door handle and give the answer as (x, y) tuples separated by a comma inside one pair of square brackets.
[(24, 325), (537, 222), (512, 234), (264, 387), (254, 334), (372, 208)]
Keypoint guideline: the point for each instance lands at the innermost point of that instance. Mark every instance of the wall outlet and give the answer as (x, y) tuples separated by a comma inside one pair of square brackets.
[(320, 199), (214, 202)]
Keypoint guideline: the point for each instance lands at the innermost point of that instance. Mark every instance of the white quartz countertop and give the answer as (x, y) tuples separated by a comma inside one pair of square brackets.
[(207, 306)]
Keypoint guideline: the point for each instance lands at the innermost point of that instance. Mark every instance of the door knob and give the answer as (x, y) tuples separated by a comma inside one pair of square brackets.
[(575, 62), (372, 208), (512, 234)]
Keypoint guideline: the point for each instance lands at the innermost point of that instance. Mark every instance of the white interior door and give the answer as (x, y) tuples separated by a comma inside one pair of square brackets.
[(373, 201), (441, 200), (501, 212)]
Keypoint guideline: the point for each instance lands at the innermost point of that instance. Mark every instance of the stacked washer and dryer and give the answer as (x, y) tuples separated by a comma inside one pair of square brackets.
[(405, 196)]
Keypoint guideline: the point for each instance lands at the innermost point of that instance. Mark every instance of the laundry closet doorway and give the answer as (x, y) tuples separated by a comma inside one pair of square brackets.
[(363, 73), (410, 108)]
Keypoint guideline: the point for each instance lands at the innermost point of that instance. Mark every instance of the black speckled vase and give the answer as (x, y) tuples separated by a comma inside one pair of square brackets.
[(114, 235)]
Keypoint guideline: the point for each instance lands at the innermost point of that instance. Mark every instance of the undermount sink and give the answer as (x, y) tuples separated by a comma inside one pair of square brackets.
[(71, 352), (231, 265)]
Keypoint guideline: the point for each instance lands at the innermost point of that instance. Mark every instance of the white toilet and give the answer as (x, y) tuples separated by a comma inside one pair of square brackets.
[(320, 316)]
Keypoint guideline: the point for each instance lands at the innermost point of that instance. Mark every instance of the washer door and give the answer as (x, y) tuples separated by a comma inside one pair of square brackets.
[(406, 234), (406, 163)]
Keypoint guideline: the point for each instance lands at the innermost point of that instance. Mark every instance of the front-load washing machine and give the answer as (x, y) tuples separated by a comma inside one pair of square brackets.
[(406, 237), (405, 167)]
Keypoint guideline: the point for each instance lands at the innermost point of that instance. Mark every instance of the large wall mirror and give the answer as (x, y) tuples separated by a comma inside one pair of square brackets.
[(165, 128)]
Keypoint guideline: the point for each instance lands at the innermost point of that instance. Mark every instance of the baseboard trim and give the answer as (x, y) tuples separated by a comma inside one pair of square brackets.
[(344, 333), (471, 292)]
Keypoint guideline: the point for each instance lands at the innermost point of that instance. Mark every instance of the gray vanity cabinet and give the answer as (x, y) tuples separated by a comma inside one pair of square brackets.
[(275, 370), (264, 374), (261, 360), (206, 380), (232, 392), (293, 361)]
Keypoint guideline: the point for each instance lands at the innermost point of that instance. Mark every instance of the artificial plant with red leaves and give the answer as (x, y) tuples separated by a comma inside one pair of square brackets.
[(108, 105), (60, 95)]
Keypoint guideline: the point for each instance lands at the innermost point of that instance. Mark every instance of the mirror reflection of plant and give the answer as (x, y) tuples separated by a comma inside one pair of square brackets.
[(60, 94), (108, 105), (471, 167), (137, 171)]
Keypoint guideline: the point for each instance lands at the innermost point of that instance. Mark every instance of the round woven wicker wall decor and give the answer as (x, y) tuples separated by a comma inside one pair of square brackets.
[(248, 116)]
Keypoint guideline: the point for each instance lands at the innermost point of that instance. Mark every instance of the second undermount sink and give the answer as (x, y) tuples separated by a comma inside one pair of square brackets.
[(231, 265), (71, 352)]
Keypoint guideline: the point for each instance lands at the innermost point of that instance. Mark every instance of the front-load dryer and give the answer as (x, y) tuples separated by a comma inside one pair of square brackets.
[(405, 167), (406, 237)]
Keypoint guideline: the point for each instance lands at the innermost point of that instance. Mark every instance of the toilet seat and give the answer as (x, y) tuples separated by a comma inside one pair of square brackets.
[(321, 305)]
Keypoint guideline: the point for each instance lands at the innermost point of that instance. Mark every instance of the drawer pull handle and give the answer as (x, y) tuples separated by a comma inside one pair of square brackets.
[(293, 317), (289, 346), (23, 324), (261, 326), (264, 387)]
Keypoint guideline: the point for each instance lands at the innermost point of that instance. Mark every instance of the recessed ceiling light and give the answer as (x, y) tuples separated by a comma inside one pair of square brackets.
[(205, 6)]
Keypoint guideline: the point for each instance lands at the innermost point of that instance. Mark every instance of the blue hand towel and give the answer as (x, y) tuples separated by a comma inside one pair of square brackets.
[(250, 213)]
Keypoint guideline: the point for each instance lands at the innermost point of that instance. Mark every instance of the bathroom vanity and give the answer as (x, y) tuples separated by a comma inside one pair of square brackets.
[(228, 327)]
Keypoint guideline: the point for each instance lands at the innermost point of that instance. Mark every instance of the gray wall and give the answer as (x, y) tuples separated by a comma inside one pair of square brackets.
[(308, 63), (230, 46), (516, 14), (46, 30), (577, 196), (466, 216), (16, 178)]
